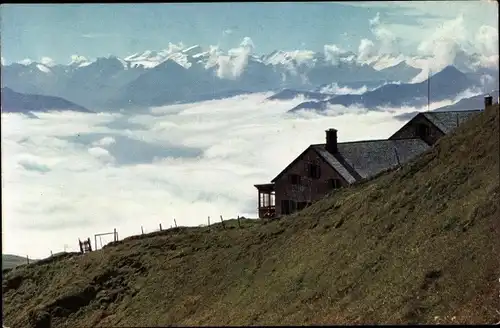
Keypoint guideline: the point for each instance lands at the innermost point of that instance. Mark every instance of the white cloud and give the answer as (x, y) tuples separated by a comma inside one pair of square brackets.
[(231, 66), (335, 89), (366, 50), (444, 43), (213, 56), (227, 32), (247, 43), (175, 47), (453, 43), (465, 32), (387, 39), (69, 175), (33, 162), (487, 40), (106, 141), (101, 154), (77, 59), (385, 47), (333, 53)]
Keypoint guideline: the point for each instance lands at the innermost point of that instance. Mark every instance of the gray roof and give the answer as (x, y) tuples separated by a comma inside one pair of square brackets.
[(369, 158), (330, 159), (446, 121)]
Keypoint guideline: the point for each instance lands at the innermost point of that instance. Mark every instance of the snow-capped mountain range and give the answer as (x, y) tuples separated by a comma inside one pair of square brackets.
[(184, 74)]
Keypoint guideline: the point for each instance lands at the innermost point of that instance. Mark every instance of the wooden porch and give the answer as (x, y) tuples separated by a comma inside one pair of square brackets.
[(267, 200)]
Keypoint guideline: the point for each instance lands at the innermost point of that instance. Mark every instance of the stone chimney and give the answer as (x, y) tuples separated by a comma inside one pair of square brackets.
[(488, 101), (331, 141)]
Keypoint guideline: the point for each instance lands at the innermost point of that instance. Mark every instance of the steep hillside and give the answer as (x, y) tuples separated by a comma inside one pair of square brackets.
[(416, 245)]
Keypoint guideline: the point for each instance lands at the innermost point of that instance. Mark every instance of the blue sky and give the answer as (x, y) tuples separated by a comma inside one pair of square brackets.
[(92, 30)]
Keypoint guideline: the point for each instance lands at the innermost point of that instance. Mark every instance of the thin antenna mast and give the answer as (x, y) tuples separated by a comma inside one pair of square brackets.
[(428, 89)]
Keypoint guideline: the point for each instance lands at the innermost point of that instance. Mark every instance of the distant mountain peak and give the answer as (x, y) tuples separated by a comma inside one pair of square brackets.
[(450, 69), (169, 64), (402, 64), (449, 73)]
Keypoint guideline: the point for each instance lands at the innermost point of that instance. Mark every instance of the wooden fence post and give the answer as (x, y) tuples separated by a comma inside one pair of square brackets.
[(142, 230), (51, 254), (160, 227), (222, 221), (115, 235), (209, 221), (239, 224), (175, 222), (27, 259)]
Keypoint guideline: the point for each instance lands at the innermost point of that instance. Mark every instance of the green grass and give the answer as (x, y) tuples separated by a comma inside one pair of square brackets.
[(415, 245)]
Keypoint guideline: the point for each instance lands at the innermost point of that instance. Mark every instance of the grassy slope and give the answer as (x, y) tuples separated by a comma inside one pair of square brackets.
[(419, 244)]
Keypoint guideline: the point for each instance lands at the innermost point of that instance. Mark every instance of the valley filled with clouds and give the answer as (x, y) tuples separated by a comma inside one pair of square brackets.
[(71, 175), (184, 126)]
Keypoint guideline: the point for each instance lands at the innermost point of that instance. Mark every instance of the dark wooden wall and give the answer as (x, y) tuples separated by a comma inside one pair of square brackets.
[(309, 190)]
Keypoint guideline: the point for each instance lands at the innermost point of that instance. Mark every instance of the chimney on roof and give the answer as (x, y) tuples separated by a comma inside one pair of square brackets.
[(488, 101), (331, 141)]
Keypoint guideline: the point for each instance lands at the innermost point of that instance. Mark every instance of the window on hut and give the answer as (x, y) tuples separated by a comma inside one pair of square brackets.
[(264, 200), (423, 130), (267, 200), (313, 171)]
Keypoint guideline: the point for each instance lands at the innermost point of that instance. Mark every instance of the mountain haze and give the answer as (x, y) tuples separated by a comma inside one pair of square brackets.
[(15, 102), (444, 85), (156, 78)]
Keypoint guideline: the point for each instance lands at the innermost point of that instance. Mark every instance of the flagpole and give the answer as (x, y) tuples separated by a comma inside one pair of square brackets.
[(428, 89)]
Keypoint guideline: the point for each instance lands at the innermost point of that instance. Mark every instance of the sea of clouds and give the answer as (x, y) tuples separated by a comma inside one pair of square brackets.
[(69, 175)]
